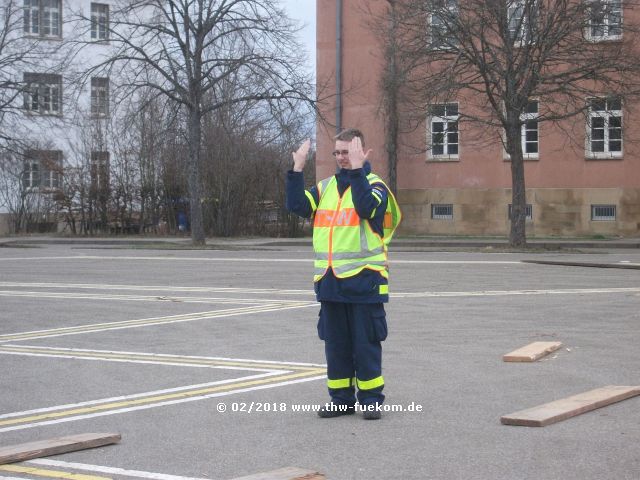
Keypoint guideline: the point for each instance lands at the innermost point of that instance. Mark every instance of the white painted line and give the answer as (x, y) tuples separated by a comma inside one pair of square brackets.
[(195, 357), (109, 470), (169, 288), (140, 395), (102, 327), (260, 260), (160, 404), (118, 360), (143, 298), (495, 293)]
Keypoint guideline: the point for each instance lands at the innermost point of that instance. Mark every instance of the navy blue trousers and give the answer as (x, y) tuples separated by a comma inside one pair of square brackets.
[(352, 333)]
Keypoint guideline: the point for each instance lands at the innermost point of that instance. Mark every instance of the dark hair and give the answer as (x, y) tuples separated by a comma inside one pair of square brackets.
[(349, 134)]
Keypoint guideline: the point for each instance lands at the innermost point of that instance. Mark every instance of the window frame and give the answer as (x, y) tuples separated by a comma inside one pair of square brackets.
[(49, 168), (448, 8), (524, 34), (606, 114), (446, 120), (529, 116), (604, 218), (99, 171), (42, 90), (100, 97), (440, 216), (98, 11), (605, 37), (528, 212), (44, 10)]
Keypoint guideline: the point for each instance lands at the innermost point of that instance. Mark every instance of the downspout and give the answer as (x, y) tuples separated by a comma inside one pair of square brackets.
[(338, 66)]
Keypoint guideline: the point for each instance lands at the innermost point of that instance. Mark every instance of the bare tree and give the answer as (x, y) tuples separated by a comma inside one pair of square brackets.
[(184, 51), (496, 56)]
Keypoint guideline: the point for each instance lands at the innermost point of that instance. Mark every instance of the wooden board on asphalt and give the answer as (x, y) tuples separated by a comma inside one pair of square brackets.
[(287, 473), (565, 408), (532, 352), (56, 446)]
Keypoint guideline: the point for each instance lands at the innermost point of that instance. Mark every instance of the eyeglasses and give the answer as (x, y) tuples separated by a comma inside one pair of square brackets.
[(344, 153)]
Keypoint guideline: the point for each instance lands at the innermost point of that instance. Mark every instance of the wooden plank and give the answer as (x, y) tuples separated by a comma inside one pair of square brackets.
[(56, 446), (565, 408), (287, 473), (532, 352)]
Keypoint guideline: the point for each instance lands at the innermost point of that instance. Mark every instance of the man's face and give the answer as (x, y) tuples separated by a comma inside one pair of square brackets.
[(341, 152)]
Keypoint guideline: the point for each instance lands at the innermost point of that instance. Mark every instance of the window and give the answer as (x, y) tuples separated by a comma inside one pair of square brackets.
[(99, 97), (42, 170), (520, 19), (99, 172), (43, 93), (43, 18), (605, 20), (442, 211), (528, 211), (442, 24), (603, 212), (530, 130), (605, 128), (99, 21), (444, 130)]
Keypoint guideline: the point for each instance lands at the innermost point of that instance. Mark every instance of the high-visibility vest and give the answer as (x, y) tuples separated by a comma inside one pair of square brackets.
[(345, 242)]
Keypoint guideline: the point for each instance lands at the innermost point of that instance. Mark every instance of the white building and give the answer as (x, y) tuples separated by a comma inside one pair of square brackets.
[(62, 112)]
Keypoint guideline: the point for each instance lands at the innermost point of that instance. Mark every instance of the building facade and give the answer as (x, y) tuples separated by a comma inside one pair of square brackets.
[(454, 178), (60, 120)]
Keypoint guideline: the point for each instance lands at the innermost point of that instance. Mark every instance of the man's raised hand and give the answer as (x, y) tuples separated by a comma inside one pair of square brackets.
[(357, 157), (300, 156)]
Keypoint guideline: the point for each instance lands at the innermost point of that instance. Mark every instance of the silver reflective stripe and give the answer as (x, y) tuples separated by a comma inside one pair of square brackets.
[(323, 186), (364, 245), (322, 256), (352, 266), (349, 255)]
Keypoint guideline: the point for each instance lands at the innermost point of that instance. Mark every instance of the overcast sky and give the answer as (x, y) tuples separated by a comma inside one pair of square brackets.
[(305, 11)]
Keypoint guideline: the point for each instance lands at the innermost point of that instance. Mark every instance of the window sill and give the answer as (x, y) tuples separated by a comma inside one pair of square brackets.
[(526, 158), (617, 38), (443, 159), (44, 37), (31, 113), (603, 156)]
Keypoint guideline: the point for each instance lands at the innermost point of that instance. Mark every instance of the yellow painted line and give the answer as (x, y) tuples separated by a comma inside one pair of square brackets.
[(154, 358), (147, 322), (49, 473), (159, 398)]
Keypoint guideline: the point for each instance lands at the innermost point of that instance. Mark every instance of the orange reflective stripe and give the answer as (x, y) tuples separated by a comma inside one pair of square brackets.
[(347, 217), (323, 218), (388, 220)]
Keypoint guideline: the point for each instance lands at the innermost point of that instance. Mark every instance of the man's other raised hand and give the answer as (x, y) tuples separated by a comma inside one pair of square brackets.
[(300, 156)]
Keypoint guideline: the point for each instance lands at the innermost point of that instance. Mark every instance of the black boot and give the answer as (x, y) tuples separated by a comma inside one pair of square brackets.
[(332, 410)]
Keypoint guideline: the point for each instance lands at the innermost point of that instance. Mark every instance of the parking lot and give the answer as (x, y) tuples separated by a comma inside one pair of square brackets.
[(205, 361)]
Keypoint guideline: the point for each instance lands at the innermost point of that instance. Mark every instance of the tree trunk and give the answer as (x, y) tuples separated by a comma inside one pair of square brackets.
[(517, 234), (195, 138)]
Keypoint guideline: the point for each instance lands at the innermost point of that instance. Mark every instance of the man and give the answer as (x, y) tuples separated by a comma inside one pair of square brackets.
[(354, 217)]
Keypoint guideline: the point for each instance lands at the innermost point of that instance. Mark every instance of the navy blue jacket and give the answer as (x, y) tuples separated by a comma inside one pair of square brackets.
[(370, 202)]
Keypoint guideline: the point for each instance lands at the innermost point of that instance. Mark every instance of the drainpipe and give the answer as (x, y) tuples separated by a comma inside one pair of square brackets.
[(338, 66)]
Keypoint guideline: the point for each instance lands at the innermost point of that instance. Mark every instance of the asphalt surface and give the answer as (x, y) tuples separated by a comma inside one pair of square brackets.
[(149, 343)]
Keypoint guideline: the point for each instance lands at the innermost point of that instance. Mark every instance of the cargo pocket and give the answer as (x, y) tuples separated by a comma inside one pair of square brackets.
[(378, 323), (321, 325)]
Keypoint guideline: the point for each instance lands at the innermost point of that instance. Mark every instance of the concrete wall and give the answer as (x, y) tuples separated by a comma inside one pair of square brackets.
[(5, 229), (556, 211)]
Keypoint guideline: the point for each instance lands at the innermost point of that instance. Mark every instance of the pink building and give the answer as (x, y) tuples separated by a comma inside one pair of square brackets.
[(463, 185)]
